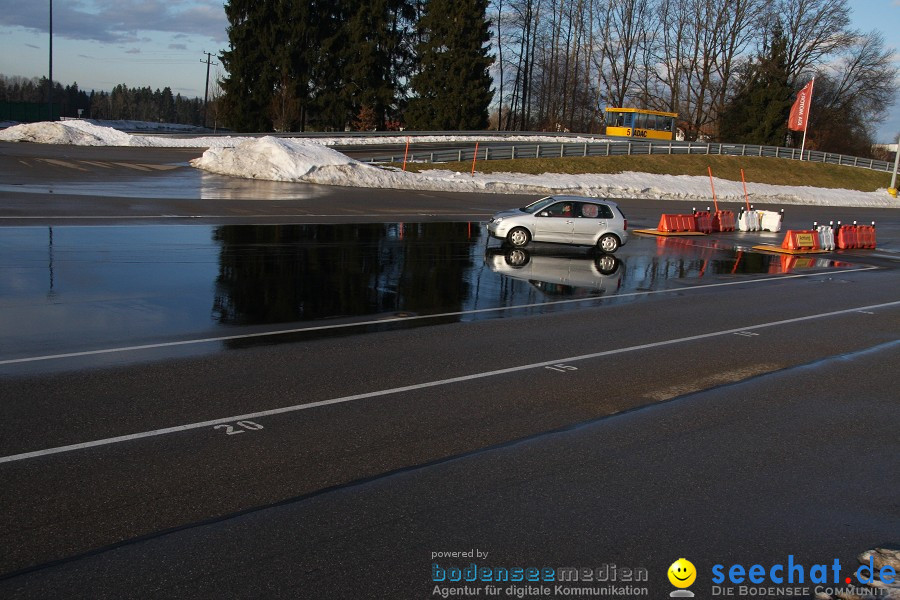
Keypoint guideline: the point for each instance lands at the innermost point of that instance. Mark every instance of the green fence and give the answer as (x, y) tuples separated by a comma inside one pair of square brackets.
[(28, 112)]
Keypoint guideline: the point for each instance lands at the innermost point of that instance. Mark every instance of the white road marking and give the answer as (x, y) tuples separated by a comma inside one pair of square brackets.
[(244, 336), (427, 384)]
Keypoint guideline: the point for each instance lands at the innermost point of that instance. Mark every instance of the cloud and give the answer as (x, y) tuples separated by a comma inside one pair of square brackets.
[(119, 21), (33, 46), (133, 51), (177, 47)]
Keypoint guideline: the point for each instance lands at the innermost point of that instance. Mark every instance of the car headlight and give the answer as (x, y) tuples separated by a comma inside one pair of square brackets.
[(496, 219)]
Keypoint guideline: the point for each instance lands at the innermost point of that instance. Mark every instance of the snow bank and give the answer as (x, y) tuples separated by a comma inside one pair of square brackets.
[(80, 132), (293, 160), (138, 126), (77, 133), (84, 132)]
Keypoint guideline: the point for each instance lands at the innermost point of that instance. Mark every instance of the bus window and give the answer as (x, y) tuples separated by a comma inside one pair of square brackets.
[(640, 121)]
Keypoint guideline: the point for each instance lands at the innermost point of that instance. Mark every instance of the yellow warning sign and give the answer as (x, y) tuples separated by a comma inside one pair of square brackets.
[(804, 239)]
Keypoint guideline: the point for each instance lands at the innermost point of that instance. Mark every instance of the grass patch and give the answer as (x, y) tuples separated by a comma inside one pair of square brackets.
[(778, 171)]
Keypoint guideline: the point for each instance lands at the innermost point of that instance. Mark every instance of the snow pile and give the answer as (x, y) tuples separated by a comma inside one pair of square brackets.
[(278, 159), (294, 160), (77, 133), (81, 132)]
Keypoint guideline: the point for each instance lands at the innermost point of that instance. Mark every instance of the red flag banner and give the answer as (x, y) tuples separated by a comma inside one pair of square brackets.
[(800, 110)]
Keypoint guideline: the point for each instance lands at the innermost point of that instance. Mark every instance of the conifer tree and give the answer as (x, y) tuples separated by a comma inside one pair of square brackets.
[(452, 86), (254, 35), (758, 112)]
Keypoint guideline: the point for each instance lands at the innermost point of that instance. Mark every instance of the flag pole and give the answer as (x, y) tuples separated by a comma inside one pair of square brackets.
[(808, 111)]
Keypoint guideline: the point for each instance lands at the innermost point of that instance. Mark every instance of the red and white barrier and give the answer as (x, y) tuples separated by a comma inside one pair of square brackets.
[(748, 220), (826, 236)]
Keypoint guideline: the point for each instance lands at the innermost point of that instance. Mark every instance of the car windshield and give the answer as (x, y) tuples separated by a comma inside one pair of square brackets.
[(538, 205)]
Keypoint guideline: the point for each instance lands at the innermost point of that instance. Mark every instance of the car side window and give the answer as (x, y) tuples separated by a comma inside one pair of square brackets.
[(589, 210), (605, 211), (561, 209)]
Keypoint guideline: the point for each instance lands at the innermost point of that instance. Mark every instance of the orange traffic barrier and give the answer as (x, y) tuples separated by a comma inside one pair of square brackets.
[(703, 220), (667, 223), (725, 220), (677, 223), (846, 238), (867, 236), (801, 240)]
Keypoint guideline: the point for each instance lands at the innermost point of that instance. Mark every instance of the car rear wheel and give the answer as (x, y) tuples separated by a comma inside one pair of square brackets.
[(518, 237), (608, 243)]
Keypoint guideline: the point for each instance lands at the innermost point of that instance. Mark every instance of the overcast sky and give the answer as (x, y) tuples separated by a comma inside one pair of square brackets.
[(101, 43)]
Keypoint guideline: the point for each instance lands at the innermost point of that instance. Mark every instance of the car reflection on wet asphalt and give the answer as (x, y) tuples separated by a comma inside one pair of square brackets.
[(558, 274), (80, 289)]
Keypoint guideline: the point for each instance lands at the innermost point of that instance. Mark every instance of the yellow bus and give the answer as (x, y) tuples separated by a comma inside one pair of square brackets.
[(640, 123)]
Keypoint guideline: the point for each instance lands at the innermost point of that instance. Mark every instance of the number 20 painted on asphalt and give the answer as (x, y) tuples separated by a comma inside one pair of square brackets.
[(241, 427)]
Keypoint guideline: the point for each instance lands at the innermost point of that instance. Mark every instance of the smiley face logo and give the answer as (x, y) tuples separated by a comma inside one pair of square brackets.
[(682, 573)]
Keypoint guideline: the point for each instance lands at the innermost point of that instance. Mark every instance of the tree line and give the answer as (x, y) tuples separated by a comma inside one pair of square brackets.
[(361, 64), (122, 103), (729, 68)]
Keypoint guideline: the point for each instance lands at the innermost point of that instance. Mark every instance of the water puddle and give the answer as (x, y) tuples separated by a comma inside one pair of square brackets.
[(75, 289)]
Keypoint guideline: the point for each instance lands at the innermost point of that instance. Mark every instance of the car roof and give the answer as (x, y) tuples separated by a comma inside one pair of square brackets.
[(582, 199)]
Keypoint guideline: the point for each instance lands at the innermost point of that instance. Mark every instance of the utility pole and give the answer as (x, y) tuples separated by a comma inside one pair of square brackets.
[(206, 89), (50, 82)]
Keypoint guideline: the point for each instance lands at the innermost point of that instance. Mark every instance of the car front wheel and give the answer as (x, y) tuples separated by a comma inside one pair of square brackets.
[(518, 237), (608, 243)]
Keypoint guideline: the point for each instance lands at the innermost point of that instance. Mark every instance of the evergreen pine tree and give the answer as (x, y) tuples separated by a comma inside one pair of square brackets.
[(254, 34), (374, 55), (452, 86), (758, 112)]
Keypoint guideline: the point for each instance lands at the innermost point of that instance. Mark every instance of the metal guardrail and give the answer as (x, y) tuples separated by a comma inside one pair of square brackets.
[(632, 148)]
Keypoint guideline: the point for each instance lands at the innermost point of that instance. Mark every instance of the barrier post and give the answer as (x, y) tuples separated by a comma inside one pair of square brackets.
[(405, 153), (474, 159), (746, 195), (713, 186)]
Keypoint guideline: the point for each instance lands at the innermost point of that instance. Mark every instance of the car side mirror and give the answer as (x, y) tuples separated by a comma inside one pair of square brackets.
[(544, 214)]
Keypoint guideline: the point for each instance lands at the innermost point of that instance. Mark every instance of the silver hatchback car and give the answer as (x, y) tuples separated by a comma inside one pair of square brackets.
[(563, 220)]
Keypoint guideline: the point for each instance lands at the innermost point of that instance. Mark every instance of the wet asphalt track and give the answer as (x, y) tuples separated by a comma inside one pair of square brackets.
[(729, 417)]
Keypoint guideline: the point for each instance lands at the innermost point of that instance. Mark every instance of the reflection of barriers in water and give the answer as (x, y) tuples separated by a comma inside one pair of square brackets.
[(559, 274), (719, 258)]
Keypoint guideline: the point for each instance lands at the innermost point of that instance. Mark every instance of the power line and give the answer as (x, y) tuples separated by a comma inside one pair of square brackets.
[(206, 89)]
